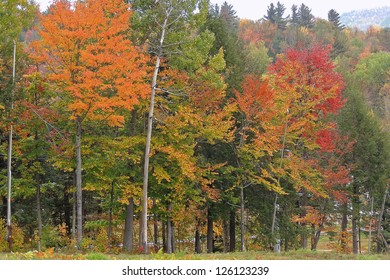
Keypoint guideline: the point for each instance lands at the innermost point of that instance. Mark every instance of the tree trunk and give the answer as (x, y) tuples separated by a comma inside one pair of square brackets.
[(379, 236), (129, 223), (109, 231), (155, 226), (79, 184), (173, 243), (169, 236), (232, 231), (355, 218), (225, 225), (242, 219), (39, 213), (315, 238), (169, 231), (9, 160), (149, 138), (164, 236), (210, 234), (370, 227), (303, 214), (274, 217), (74, 214), (140, 244), (198, 245), (344, 224)]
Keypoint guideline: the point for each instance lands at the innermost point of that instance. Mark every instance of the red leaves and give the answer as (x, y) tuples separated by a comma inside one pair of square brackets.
[(292, 103)]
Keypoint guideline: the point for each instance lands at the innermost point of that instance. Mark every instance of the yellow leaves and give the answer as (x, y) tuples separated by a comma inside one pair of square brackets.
[(161, 174), (312, 216)]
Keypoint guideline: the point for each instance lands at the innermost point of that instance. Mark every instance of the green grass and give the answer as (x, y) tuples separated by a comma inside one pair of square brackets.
[(253, 255)]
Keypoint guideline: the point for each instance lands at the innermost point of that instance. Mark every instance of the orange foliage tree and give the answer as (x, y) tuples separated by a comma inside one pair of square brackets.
[(97, 71)]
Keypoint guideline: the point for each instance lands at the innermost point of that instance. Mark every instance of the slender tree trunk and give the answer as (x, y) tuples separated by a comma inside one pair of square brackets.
[(198, 245), (274, 216), (129, 223), (360, 237), (79, 184), (39, 213), (370, 227), (140, 231), (210, 233), (128, 236), (155, 225), (169, 236), (149, 138), (67, 210), (109, 231), (9, 161), (225, 226), (379, 236), (74, 214), (232, 231), (242, 219), (173, 240), (164, 236), (344, 224), (38, 193), (316, 238), (355, 218)]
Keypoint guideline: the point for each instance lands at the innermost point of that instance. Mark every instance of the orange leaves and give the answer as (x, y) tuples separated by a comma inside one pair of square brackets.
[(88, 54), (256, 100), (289, 106), (312, 216)]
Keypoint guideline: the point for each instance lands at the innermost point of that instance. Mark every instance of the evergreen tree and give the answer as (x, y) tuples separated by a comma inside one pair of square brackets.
[(306, 18), (369, 157), (280, 20), (271, 13), (228, 14), (334, 18), (275, 15), (294, 15)]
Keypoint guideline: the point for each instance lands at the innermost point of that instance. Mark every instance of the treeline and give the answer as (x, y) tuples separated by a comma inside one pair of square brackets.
[(176, 125)]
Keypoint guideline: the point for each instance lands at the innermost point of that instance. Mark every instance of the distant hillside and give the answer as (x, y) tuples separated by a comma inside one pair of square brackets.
[(364, 18)]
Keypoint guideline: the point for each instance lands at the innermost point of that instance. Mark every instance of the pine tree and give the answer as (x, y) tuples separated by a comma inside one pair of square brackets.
[(271, 13), (334, 18), (280, 20), (294, 15), (275, 15), (306, 19)]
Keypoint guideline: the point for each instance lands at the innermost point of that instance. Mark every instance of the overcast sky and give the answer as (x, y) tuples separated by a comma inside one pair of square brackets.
[(256, 9)]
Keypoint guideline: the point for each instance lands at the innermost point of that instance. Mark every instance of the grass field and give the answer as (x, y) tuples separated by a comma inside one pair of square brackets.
[(253, 255)]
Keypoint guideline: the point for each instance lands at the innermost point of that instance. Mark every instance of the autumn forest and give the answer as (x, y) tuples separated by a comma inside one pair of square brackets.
[(175, 126)]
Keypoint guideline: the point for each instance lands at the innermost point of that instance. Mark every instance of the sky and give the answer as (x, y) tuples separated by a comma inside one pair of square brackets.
[(256, 9)]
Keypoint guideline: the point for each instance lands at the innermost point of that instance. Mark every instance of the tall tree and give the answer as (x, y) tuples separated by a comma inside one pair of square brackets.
[(294, 15), (304, 74), (15, 15), (334, 18), (275, 15), (97, 70), (271, 13), (306, 18), (172, 21)]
